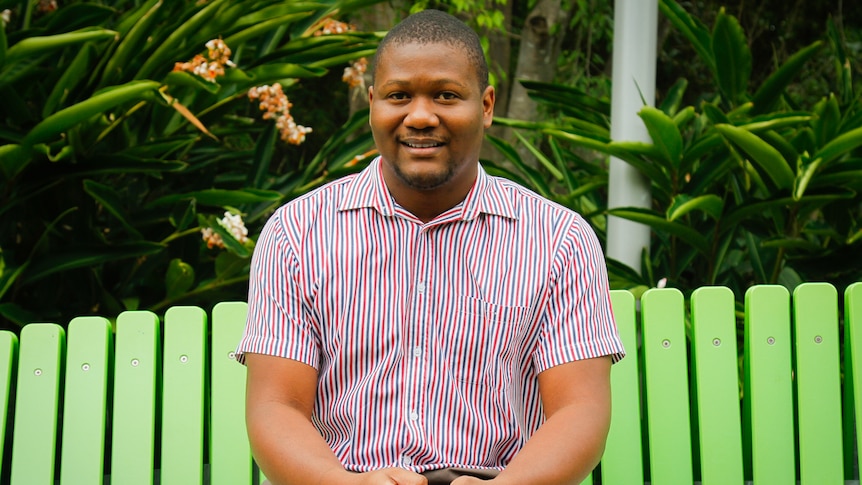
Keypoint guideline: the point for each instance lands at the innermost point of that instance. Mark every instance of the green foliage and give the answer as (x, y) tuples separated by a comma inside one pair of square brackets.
[(112, 162), (749, 186)]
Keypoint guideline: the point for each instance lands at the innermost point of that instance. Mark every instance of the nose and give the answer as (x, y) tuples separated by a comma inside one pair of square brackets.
[(421, 114)]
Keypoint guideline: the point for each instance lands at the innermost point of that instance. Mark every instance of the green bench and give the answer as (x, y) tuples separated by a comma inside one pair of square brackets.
[(141, 401)]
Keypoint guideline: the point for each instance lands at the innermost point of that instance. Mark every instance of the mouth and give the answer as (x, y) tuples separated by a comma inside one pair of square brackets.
[(422, 144)]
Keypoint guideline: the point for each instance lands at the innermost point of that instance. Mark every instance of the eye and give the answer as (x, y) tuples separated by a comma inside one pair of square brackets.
[(398, 96), (448, 96)]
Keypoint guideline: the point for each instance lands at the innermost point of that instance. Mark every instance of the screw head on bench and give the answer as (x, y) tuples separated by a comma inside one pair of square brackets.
[(231, 355), (818, 339), (665, 343), (135, 362), (771, 340), (184, 358), (85, 367), (716, 342), (37, 372)]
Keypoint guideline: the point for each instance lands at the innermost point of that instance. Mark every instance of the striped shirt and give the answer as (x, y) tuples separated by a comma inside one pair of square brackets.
[(428, 337)]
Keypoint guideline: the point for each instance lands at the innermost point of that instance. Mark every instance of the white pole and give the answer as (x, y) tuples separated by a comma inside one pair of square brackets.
[(634, 65)]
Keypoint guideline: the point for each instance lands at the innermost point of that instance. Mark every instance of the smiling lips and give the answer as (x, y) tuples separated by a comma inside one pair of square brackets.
[(422, 143)]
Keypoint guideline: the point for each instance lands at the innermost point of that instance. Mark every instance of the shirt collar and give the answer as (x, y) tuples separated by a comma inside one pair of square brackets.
[(367, 189)]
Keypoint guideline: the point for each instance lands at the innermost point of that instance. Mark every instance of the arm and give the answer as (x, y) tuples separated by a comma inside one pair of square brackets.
[(280, 396), (577, 402)]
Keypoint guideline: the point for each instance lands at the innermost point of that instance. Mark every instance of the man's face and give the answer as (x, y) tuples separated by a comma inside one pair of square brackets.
[(428, 117)]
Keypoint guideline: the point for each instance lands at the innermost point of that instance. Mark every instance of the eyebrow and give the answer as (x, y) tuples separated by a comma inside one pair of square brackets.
[(439, 82)]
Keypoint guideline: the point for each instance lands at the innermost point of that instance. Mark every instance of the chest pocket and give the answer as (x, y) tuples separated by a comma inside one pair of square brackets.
[(485, 342)]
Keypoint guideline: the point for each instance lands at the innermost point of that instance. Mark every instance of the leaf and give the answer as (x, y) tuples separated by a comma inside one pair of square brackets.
[(691, 28), (841, 145), (131, 44), (555, 172), (162, 57), (108, 198), (673, 98), (57, 123), (682, 204), (81, 258), (188, 115), (230, 265), (659, 223), (828, 120), (179, 278), (77, 72), (536, 181), (36, 46), (13, 159), (747, 210), (763, 154), (665, 135), (8, 277), (803, 178), (270, 73), (221, 197), (15, 314), (732, 57), (772, 89), (264, 149), (266, 22)]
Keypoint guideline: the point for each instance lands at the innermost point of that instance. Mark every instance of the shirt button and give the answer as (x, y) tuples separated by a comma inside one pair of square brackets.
[(406, 461), (420, 287), (417, 351), (414, 416)]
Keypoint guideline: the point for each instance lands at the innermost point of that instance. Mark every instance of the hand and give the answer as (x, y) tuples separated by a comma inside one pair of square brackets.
[(390, 476), (466, 480)]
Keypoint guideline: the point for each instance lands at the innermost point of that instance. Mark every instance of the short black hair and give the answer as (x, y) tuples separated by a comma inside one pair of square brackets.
[(434, 26)]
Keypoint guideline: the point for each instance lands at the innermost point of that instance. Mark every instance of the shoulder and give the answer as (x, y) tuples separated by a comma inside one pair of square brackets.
[(533, 208)]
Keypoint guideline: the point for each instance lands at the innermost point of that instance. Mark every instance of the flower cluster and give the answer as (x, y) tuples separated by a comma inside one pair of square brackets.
[(275, 105), (210, 66), (234, 225), (5, 17), (354, 74), (332, 26), (46, 6)]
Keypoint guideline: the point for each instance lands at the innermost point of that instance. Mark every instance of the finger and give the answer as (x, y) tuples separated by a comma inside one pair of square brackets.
[(406, 477)]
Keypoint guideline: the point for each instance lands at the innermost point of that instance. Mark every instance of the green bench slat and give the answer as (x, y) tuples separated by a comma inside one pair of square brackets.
[(37, 402), (230, 454), (665, 348), (622, 462), (714, 358), (853, 378), (88, 360), (768, 387), (818, 382), (136, 374), (8, 361), (183, 396)]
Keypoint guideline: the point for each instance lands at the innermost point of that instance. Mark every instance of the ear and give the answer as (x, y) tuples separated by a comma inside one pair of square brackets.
[(488, 99), (370, 104)]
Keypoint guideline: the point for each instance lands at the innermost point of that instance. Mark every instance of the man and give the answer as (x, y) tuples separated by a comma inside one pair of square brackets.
[(421, 320)]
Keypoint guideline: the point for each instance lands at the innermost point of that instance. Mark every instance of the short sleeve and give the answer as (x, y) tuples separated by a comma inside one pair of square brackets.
[(578, 320), (277, 322)]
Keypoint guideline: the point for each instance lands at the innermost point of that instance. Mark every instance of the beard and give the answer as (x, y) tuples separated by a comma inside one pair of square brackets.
[(425, 180)]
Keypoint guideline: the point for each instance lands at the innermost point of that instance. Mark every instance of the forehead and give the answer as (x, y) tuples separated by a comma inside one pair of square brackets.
[(409, 59)]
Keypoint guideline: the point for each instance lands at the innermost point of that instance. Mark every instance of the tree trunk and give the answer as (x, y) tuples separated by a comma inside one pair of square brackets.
[(540, 43), (500, 55)]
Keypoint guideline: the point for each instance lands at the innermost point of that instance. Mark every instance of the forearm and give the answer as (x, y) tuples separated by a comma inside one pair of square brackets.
[(288, 449), (563, 451)]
